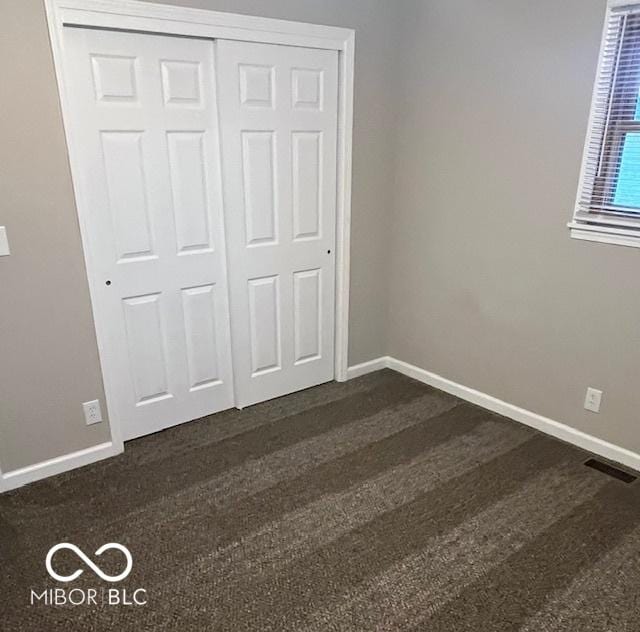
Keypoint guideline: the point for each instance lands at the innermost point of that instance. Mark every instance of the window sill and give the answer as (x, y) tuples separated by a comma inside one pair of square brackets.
[(587, 233)]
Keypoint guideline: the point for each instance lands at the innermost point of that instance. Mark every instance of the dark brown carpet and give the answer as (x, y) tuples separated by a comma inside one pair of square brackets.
[(379, 504)]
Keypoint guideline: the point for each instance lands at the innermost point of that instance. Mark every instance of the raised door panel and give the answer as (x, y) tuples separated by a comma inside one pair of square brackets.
[(307, 88), (264, 316), (191, 207), (199, 304), (114, 78), (258, 162), (127, 194), (181, 83), (307, 296), (146, 346), (307, 184), (256, 85)]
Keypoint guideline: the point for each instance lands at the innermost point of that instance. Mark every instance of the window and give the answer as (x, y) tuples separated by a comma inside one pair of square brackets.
[(608, 205)]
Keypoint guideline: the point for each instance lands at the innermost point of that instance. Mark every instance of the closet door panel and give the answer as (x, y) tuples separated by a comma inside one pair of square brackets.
[(278, 112), (145, 122)]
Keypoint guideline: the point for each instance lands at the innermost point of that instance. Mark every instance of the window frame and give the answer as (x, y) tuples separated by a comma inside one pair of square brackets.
[(608, 222)]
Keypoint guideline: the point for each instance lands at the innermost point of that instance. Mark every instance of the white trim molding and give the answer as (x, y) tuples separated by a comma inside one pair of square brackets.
[(548, 426), (367, 367), (148, 17), (17, 478), (579, 231)]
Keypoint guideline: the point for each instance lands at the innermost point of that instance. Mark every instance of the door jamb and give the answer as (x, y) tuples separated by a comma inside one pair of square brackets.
[(173, 20)]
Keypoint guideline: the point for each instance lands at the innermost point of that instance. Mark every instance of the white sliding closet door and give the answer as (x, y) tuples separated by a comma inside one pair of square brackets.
[(278, 112), (145, 133)]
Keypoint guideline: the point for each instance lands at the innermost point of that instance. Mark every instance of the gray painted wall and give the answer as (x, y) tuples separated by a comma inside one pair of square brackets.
[(49, 360), (487, 288)]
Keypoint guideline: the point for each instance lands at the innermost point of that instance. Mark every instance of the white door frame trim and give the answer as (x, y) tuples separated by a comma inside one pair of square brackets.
[(172, 20)]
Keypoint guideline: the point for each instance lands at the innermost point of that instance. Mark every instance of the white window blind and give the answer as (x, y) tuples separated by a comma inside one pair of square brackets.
[(608, 204)]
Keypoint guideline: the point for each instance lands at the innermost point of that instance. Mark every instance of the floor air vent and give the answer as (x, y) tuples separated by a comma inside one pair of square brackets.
[(610, 470)]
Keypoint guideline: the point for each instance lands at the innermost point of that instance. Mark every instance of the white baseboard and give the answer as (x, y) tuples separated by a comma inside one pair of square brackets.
[(18, 478), (51, 467), (544, 424), (366, 367)]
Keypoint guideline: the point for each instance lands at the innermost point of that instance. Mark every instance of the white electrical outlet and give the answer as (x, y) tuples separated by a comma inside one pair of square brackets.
[(593, 399), (92, 412)]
